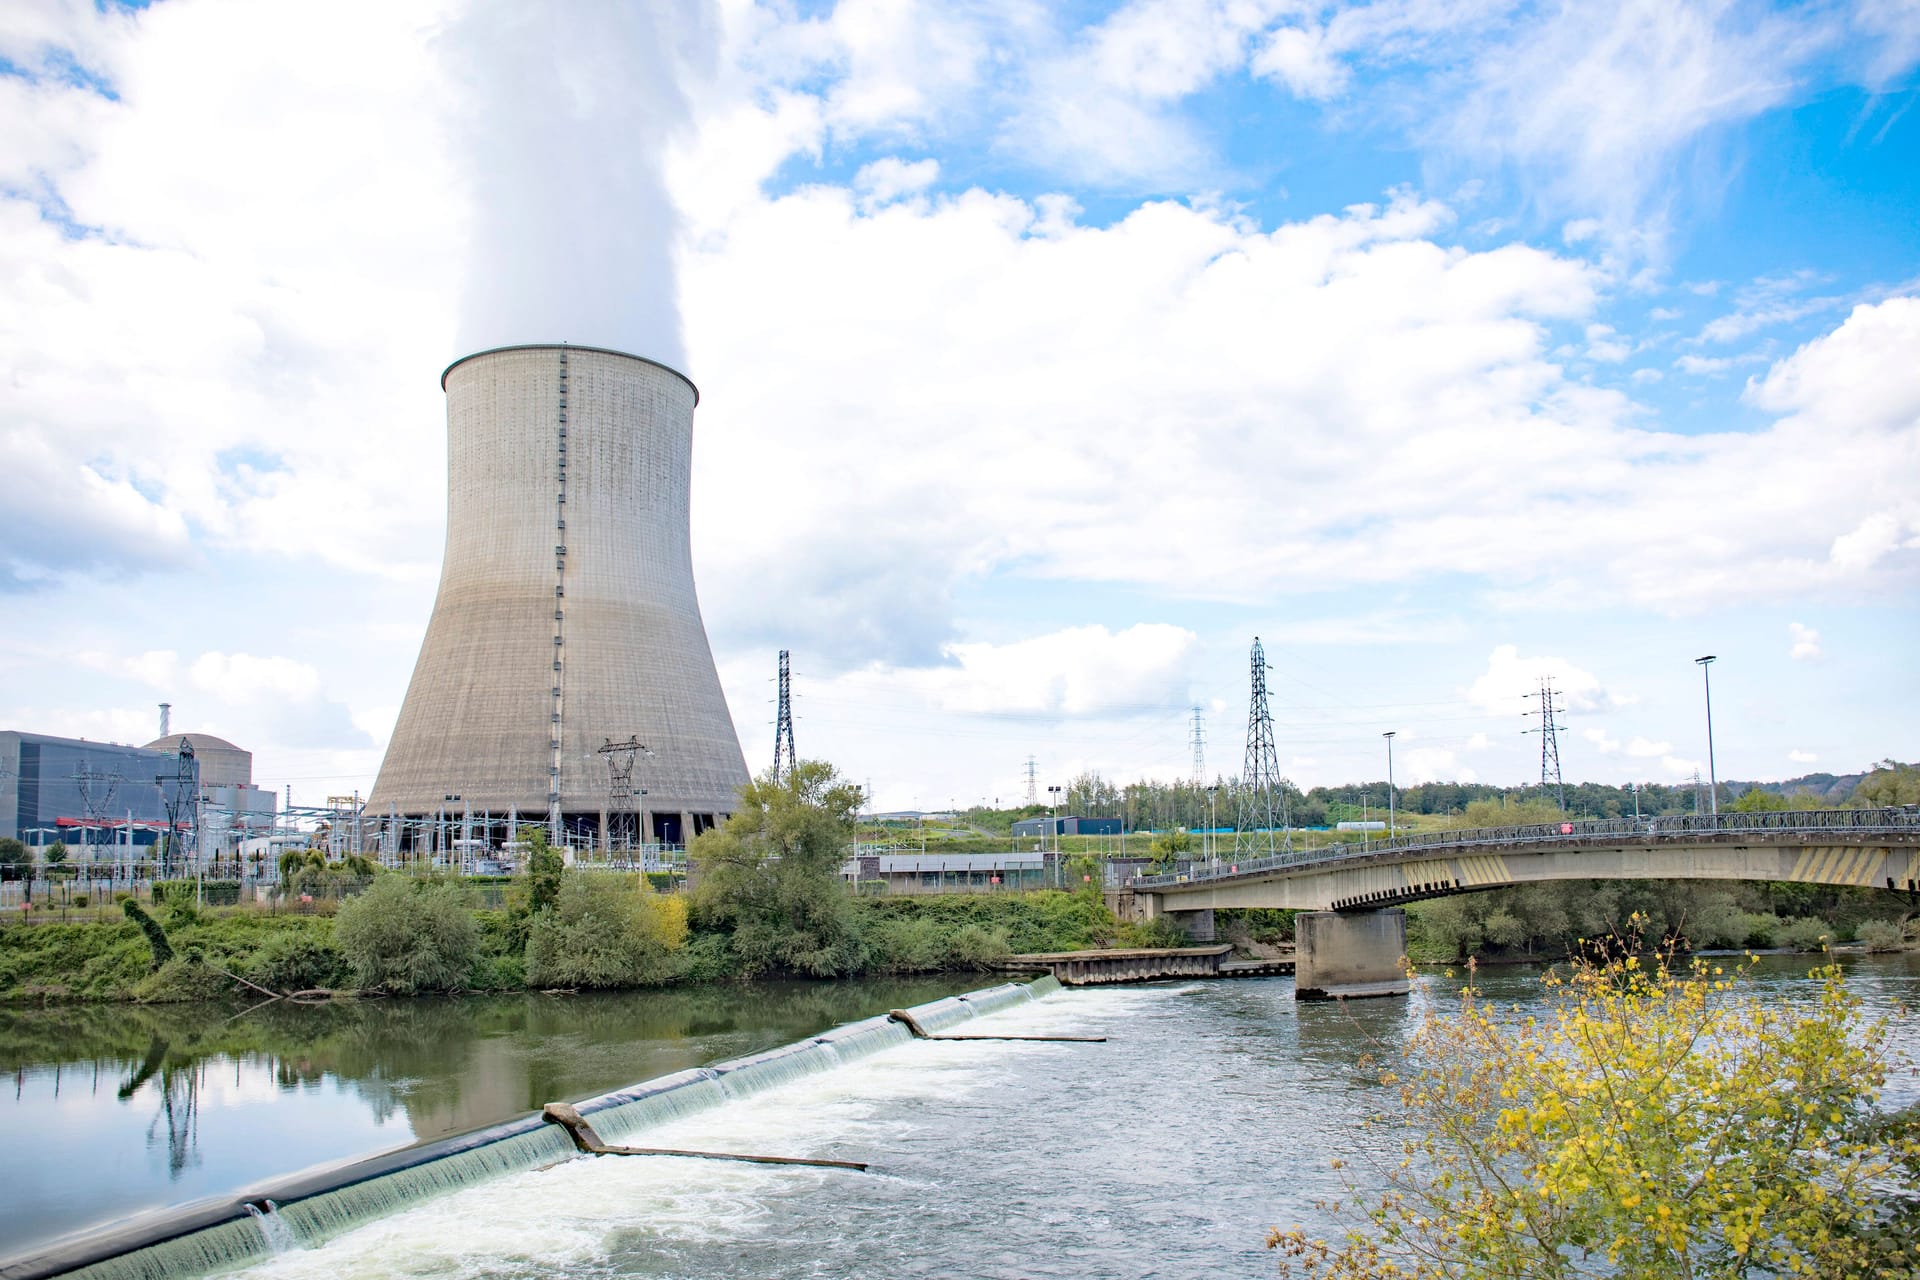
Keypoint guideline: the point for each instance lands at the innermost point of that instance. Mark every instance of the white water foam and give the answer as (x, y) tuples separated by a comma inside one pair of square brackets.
[(573, 1216)]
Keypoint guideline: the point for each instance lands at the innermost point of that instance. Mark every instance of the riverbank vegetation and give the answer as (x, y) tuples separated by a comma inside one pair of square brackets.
[(1663, 1120), (1547, 921), (767, 902)]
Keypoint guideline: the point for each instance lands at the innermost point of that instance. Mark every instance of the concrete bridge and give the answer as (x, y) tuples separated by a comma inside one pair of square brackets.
[(1351, 941)]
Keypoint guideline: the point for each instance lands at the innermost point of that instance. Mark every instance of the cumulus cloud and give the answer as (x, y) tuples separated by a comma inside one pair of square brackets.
[(1804, 642), (1803, 757), (214, 315), (1511, 685), (890, 178)]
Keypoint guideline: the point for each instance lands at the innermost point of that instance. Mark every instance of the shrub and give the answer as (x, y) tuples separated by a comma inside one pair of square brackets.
[(1159, 933), (498, 973), (707, 957), (214, 893), (602, 932), (976, 947), (180, 980), (289, 962), (403, 937), (1805, 934), (1880, 935), (1660, 1123), (908, 946)]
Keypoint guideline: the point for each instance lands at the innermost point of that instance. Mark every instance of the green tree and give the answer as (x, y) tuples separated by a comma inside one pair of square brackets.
[(1169, 847), (602, 931), (55, 856), (14, 858), (1657, 1123), (1757, 800), (770, 877), (1890, 783), (405, 936), (546, 869)]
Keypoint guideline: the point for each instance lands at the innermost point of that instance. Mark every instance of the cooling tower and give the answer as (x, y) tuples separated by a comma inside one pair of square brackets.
[(566, 615)]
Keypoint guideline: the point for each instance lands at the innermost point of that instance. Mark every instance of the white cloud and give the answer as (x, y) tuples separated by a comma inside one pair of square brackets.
[(1669, 73), (1605, 345), (1803, 757), (1679, 768), (241, 677), (1766, 303), (1511, 686), (891, 177), (1302, 59), (1436, 764), (1805, 642)]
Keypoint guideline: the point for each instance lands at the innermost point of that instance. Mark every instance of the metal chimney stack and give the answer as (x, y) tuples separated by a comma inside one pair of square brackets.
[(566, 615), (166, 718)]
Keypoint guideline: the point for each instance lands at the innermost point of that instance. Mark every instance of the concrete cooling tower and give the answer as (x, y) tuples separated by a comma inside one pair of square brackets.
[(566, 616)]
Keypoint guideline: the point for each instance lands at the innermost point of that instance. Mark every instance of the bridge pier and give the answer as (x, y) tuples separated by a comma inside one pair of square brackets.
[(1340, 955), (1197, 925)]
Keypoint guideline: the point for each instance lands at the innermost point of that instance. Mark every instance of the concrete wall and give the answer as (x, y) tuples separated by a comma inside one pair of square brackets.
[(535, 656)]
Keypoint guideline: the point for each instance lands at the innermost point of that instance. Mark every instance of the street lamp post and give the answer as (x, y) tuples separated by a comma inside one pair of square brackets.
[(1713, 782), (1388, 735), (1053, 798), (1212, 841)]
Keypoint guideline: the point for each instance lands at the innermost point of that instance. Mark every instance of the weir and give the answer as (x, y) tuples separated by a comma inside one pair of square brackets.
[(308, 1209)]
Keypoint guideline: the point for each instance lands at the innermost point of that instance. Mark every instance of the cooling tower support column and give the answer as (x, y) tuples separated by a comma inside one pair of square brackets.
[(566, 616)]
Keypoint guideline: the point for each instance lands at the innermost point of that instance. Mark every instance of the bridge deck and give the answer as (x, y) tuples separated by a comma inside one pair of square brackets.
[(1834, 826), (1877, 848)]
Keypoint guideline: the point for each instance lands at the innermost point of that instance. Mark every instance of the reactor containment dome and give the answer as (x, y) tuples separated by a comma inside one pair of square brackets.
[(566, 617)]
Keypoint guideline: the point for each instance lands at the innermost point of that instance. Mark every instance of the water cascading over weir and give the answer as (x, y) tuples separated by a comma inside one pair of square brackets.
[(307, 1210)]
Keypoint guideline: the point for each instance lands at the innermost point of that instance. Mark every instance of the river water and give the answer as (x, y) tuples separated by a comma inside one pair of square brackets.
[(1210, 1115)]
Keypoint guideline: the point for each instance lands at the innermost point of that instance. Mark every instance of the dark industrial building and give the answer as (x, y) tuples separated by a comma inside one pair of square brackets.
[(1066, 826), (94, 797)]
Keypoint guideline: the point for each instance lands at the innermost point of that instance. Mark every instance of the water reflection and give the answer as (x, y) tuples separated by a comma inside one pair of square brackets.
[(150, 1106)]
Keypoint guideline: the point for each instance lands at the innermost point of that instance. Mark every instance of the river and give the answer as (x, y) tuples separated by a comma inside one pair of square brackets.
[(1210, 1115)]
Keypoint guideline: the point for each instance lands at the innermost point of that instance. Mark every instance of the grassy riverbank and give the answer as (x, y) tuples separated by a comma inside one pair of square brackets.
[(108, 958)]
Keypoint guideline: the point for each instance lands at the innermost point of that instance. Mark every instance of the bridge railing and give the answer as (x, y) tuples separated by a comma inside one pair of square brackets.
[(1786, 822)]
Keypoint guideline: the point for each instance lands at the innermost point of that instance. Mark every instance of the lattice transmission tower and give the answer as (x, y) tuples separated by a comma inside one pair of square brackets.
[(1262, 796), (623, 825), (180, 794), (783, 722), (1033, 780), (96, 793), (1548, 730), (1199, 738)]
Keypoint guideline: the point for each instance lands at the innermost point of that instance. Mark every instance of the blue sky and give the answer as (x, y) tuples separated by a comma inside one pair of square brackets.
[(1048, 354)]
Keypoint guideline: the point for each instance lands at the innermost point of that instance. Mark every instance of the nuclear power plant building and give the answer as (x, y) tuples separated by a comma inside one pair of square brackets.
[(566, 616)]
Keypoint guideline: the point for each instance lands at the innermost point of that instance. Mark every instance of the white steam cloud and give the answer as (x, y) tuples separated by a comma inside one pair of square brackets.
[(562, 116)]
